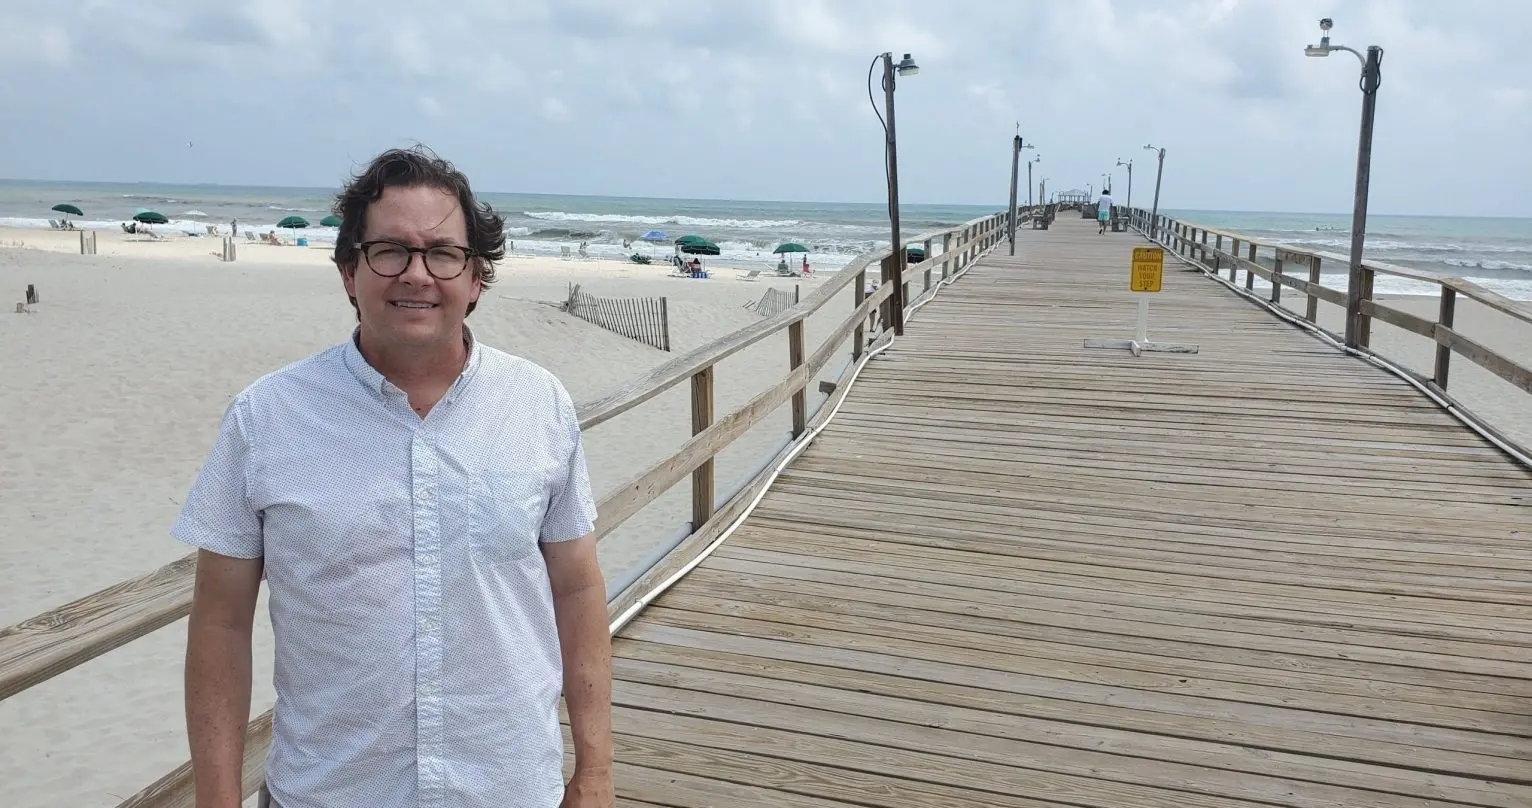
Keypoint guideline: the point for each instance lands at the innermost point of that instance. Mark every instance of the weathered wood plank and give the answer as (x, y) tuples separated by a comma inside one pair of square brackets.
[(38, 649)]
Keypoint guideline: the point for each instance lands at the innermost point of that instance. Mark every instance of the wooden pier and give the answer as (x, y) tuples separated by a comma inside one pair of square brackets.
[(1015, 571)]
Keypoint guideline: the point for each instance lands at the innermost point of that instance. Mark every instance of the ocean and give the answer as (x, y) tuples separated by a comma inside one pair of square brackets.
[(1495, 253)]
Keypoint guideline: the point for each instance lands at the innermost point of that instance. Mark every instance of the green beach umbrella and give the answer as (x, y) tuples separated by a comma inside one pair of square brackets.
[(330, 221), (293, 223), (791, 247), (65, 207), (914, 254), (701, 246), (150, 217)]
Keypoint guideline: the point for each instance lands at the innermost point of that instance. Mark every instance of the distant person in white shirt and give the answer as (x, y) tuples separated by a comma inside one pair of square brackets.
[(1104, 211), (419, 506)]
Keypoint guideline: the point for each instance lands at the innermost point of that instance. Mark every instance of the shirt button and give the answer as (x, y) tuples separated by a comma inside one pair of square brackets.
[(427, 624), (428, 559)]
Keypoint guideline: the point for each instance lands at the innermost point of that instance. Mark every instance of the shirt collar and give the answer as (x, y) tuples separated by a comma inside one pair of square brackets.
[(374, 381)]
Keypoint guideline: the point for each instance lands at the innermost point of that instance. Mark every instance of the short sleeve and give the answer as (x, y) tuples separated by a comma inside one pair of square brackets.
[(218, 515), (571, 506)]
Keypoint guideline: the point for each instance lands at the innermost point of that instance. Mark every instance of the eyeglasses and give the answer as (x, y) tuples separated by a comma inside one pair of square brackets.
[(390, 259)]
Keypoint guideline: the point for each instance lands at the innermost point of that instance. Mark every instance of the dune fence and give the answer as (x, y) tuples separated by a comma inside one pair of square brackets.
[(645, 319), (775, 301)]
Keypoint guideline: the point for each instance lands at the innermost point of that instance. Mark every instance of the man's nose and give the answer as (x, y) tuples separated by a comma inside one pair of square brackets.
[(415, 270)]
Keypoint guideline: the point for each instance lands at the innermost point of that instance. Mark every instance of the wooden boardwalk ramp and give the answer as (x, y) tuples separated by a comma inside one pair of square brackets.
[(1017, 572)]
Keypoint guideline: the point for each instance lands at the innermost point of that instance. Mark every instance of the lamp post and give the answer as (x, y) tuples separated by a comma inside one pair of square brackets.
[(1016, 146), (1372, 77), (905, 67), (1035, 159), (1159, 171), (1129, 164)]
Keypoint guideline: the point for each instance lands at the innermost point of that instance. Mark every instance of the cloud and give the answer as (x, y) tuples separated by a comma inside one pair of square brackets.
[(555, 109), (769, 99)]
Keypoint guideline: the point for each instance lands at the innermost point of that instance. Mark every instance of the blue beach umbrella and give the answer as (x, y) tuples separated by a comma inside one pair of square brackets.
[(653, 235)]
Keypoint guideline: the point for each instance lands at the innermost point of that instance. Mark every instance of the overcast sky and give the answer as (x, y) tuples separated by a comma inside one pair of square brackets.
[(767, 99)]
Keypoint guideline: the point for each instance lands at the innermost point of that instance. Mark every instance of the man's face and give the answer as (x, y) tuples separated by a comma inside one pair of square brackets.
[(414, 309)]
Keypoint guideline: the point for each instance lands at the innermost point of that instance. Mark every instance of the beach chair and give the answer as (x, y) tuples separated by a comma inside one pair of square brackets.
[(249, 235), (563, 253), (53, 223), (753, 274)]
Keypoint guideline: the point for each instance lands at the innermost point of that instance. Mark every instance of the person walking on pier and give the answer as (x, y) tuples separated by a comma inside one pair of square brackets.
[(419, 506), (1104, 210)]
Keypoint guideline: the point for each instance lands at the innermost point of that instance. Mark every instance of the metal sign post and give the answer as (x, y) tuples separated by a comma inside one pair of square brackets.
[(1148, 273)]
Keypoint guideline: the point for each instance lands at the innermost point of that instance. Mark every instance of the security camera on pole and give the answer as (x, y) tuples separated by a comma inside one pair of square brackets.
[(1154, 215), (1129, 165), (904, 67), (1372, 77)]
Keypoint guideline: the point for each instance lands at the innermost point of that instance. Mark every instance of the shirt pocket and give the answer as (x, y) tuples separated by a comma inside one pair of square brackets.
[(507, 516)]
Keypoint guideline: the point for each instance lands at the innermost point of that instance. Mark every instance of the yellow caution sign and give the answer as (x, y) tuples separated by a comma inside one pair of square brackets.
[(1148, 269)]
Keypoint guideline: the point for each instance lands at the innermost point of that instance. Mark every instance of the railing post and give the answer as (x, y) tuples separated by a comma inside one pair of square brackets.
[(1249, 272), (794, 360), (1444, 353), (946, 255), (1233, 264), (1202, 251), (859, 336), (886, 308), (928, 268), (702, 418), (1363, 321), (1311, 311), (1276, 276)]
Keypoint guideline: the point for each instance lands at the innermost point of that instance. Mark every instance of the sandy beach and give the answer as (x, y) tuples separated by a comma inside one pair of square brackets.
[(114, 387), (116, 381)]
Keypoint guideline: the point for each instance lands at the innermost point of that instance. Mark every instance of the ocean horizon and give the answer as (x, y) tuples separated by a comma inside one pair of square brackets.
[(1494, 252)]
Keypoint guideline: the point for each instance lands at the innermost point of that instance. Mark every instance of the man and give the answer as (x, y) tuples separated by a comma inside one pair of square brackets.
[(419, 506), (1104, 210)]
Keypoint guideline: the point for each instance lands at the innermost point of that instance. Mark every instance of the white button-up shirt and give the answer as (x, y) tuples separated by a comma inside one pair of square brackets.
[(417, 658)]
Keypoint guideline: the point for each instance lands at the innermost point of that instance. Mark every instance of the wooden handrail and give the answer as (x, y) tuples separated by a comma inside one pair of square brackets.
[(1441, 330), (60, 639)]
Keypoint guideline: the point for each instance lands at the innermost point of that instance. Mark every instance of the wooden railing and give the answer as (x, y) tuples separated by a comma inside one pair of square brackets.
[(45, 646), (1219, 251)]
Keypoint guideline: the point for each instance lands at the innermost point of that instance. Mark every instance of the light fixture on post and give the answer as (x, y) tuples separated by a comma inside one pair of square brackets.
[(1035, 159), (905, 67), (1017, 144), (1159, 171), (1372, 77), (1129, 165)]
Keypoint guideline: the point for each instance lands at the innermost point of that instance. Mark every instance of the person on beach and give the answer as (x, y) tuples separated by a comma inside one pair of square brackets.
[(419, 506), (1104, 210)]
